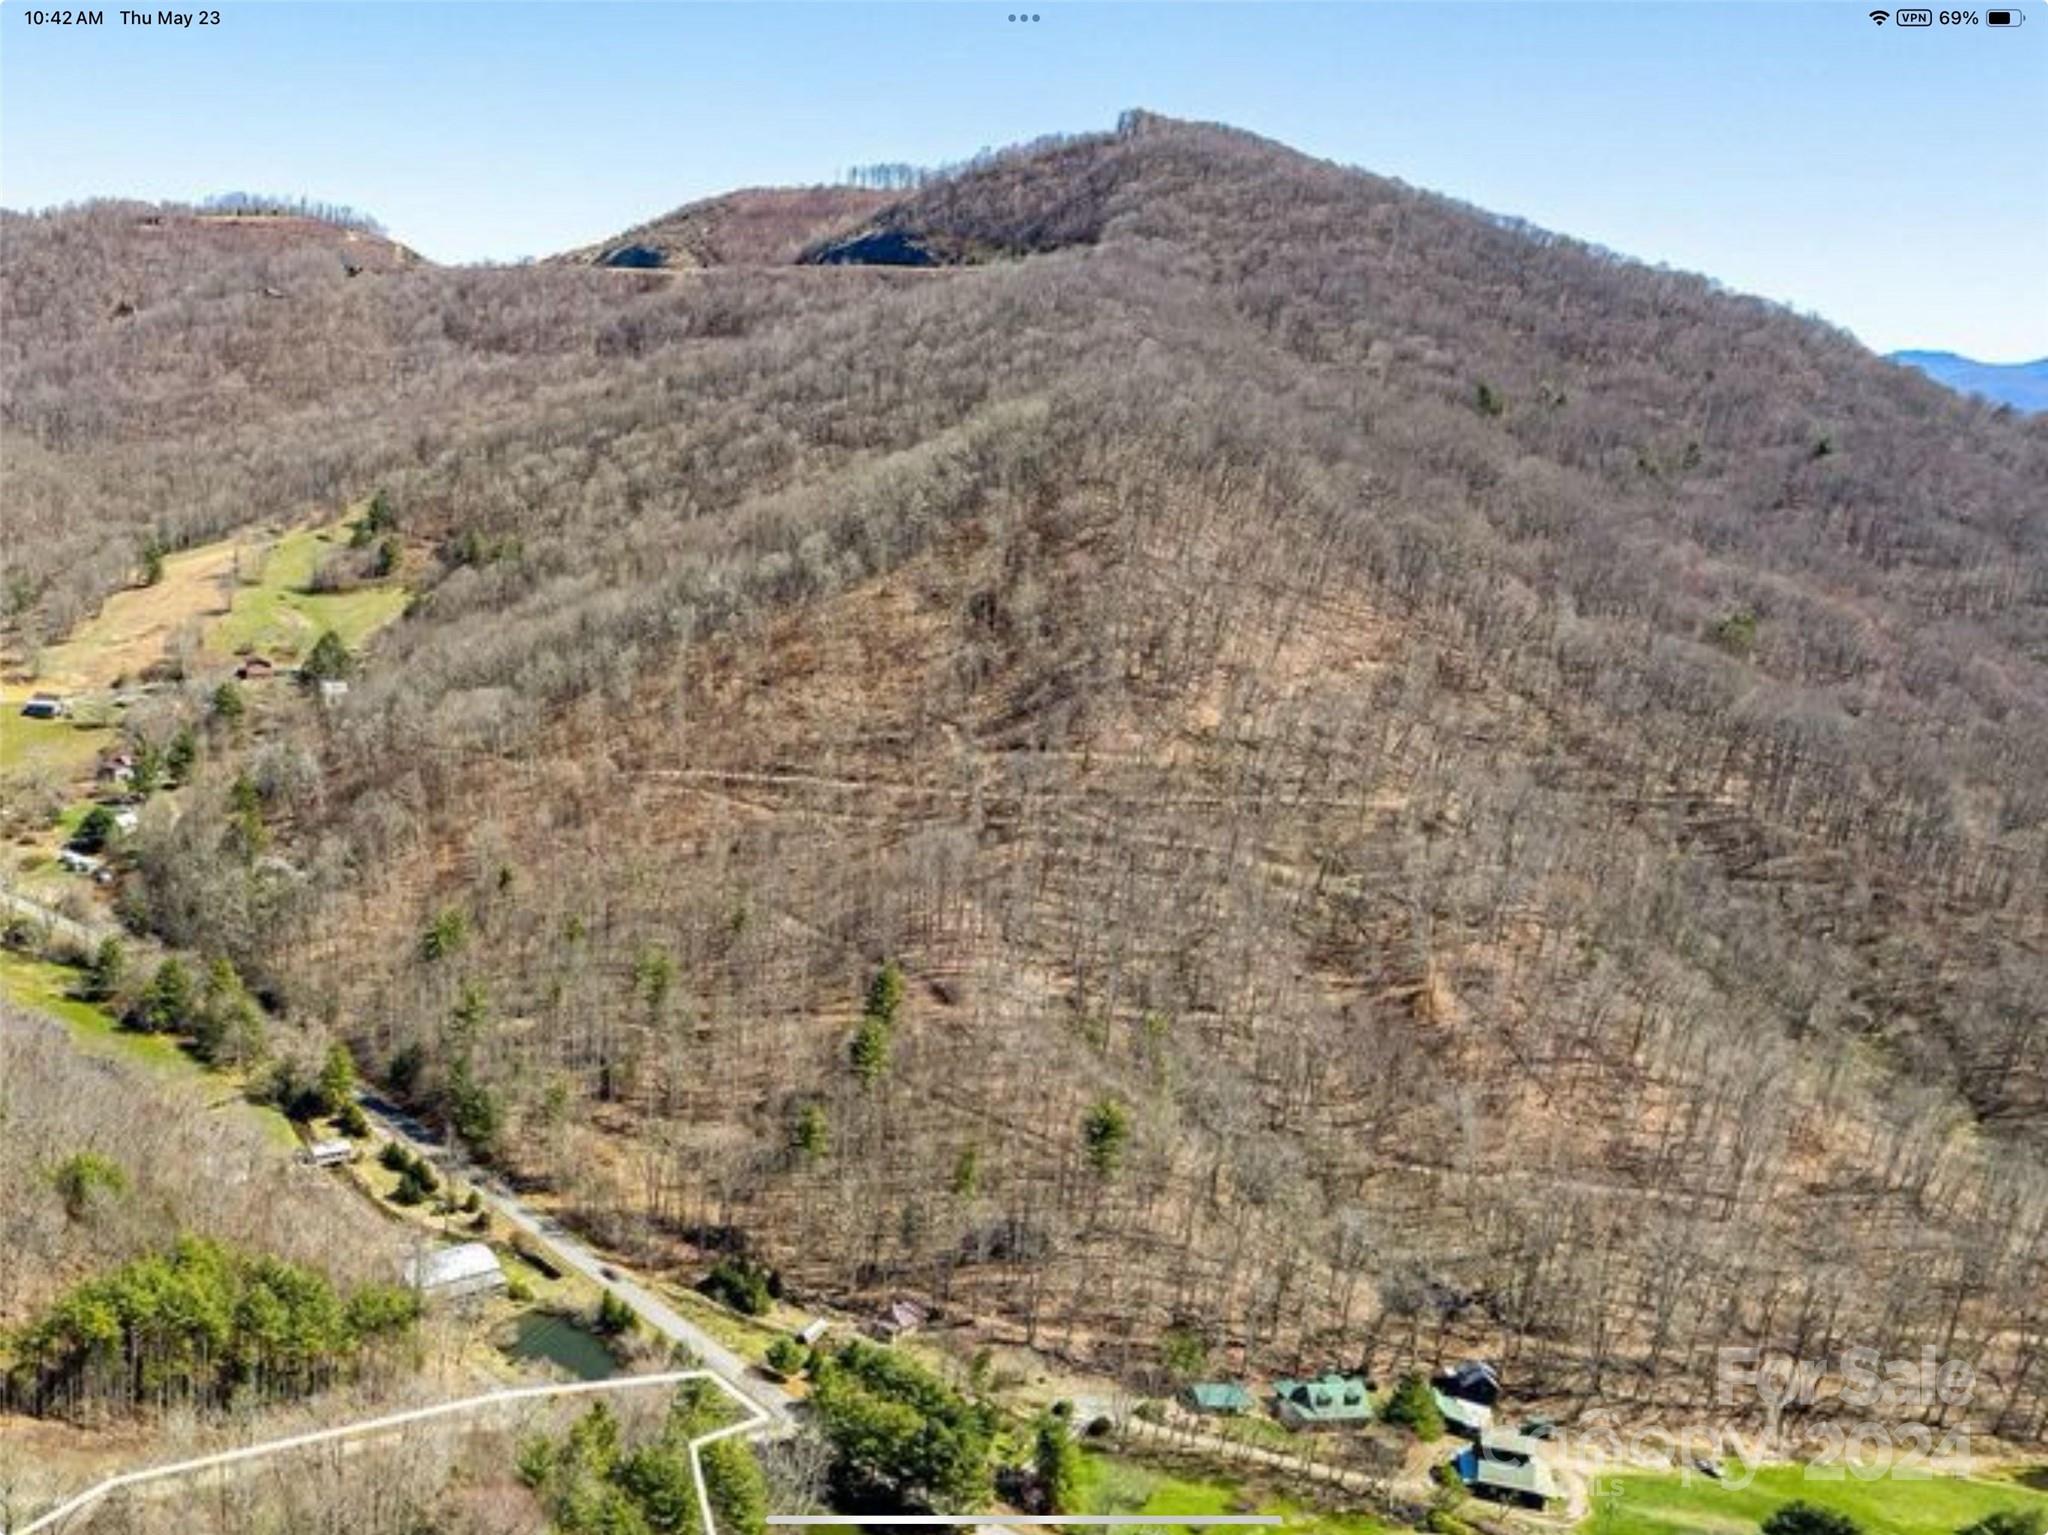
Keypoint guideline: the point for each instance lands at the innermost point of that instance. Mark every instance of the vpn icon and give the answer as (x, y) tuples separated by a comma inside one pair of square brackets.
[(1880, 17)]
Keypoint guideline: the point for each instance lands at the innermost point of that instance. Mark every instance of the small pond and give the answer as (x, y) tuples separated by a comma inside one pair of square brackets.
[(563, 1341)]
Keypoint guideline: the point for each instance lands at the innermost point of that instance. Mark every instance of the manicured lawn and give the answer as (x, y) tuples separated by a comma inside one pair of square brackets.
[(1114, 1484), (1670, 1505)]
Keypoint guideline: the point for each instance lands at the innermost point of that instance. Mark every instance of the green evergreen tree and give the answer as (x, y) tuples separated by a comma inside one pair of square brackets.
[(147, 774), (182, 753), (808, 1133), (328, 660), (869, 1051), (1412, 1406), (787, 1356), (474, 1112), (96, 828), (245, 816), (152, 556), (167, 1004), (967, 1172), (1056, 1461), (900, 1435), (338, 1079), (1105, 1134), (885, 994), (109, 968), (739, 1493)]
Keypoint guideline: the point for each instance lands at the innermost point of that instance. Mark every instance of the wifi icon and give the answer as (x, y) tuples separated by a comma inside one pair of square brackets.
[(1880, 17)]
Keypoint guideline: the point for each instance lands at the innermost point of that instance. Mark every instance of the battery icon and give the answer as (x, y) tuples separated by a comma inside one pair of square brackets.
[(2003, 18)]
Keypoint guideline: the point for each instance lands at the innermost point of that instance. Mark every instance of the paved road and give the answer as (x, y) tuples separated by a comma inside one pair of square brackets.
[(663, 1318)]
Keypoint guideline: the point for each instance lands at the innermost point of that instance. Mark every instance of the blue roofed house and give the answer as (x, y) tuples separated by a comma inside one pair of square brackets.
[(1508, 1468)]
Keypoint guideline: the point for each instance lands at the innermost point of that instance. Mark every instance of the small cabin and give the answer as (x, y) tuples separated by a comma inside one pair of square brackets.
[(902, 1318), (1217, 1398), (334, 1153), (812, 1331)]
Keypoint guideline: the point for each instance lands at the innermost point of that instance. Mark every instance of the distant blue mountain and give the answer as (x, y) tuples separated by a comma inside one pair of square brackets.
[(2022, 385)]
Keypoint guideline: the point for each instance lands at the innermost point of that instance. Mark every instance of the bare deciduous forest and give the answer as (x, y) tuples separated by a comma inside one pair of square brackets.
[(1433, 787)]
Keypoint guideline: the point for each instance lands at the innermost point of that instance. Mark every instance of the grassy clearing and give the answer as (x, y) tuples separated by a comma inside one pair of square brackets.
[(1114, 1484), (278, 617), (744, 1336), (47, 988), (1671, 1505), (134, 627), (206, 602), (64, 748)]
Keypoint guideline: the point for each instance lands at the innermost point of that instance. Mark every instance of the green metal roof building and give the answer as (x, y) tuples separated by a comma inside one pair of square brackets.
[(1468, 1419), (1218, 1396), (1328, 1401)]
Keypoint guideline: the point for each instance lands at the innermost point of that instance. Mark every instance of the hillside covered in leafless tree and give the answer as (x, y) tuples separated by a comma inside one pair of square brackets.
[(1432, 787)]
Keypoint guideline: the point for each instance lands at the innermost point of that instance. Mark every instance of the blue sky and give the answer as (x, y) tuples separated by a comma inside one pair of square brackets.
[(1893, 181)]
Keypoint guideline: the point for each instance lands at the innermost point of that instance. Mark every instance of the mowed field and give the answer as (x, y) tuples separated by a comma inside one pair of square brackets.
[(225, 599), (279, 617), (1113, 1485), (1888, 1505)]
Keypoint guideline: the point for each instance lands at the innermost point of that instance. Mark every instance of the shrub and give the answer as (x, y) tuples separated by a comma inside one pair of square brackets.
[(787, 1357), (1805, 1519), (95, 830), (614, 1317), (746, 1286)]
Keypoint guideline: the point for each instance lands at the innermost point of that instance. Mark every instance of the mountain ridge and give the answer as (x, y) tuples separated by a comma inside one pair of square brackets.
[(2022, 385), (1509, 767)]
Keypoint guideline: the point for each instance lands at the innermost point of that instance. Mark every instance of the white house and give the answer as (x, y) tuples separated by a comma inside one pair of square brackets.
[(330, 1153), (469, 1268)]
